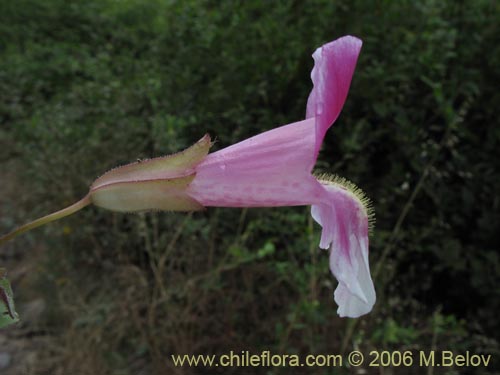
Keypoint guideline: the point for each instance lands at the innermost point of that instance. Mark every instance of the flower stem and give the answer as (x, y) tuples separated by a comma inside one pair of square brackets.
[(47, 219)]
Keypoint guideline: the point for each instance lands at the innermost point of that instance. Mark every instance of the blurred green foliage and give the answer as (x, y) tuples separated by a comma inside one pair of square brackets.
[(8, 314), (88, 85)]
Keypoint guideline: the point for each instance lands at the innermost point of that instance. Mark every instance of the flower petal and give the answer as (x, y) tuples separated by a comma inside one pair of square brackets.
[(345, 232), (334, 65), (269, 169)]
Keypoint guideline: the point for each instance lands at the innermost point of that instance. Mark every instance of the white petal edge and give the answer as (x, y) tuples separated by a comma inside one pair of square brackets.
[(345, 234)]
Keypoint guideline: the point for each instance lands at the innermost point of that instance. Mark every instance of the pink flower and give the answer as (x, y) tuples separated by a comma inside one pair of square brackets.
[(270, 169), (274, 169)]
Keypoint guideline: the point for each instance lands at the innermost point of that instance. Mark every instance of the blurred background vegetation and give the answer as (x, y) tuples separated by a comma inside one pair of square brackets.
[(89, 85)]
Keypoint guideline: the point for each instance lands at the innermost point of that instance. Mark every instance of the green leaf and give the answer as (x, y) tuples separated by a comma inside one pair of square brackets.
[(268, 249), (8, 314)]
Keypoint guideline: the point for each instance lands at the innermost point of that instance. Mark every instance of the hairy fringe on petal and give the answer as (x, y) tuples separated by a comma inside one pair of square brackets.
[(365, 202)]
